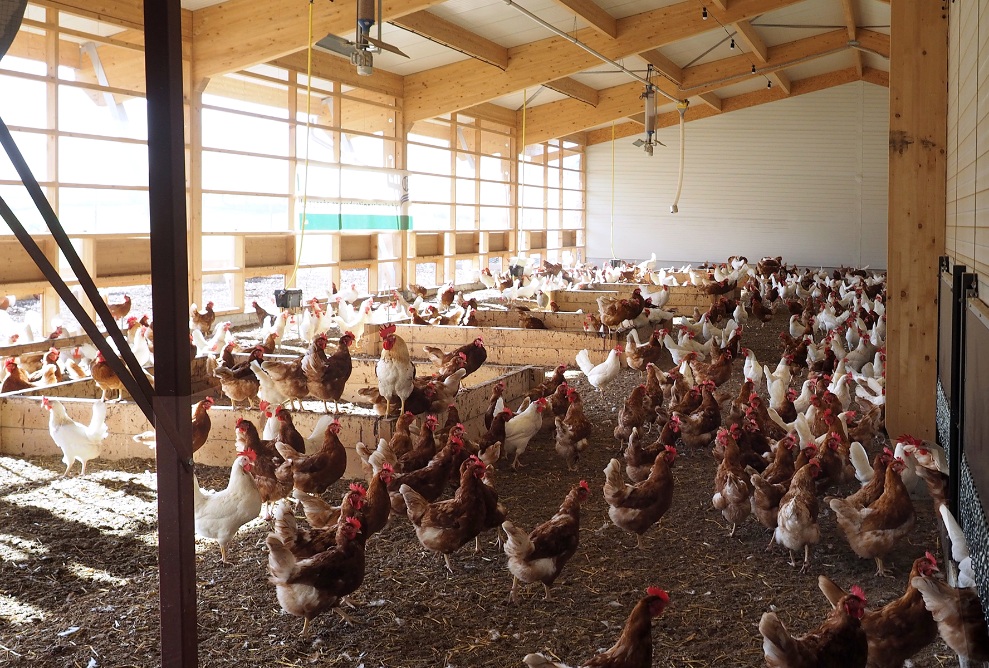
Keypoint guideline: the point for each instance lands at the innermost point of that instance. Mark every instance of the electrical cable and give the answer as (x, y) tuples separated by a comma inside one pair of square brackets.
[(305, 171)]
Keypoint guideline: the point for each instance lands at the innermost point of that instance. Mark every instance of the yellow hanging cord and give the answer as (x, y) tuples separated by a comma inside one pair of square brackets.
[(613, 189), (305, 171)]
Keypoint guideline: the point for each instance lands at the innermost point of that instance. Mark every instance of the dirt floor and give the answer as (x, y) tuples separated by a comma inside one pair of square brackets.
[(78, 572)]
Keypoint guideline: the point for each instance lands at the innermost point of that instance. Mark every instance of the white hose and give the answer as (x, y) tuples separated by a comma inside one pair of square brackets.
[(682, 108)]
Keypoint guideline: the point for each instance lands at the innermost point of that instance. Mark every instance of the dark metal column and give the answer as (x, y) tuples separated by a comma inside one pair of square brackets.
[(170, 283)]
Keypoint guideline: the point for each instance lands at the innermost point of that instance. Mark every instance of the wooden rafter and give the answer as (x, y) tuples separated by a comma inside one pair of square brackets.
[(851, 24), (457, 85), (748, 34), (599, 19), (548, 120), (711, 100), (458, 38), (729, 104), (780, 79), (720, 4), (877, 77), (663, 65), (574, 89), (236, 34), (334, 68), (129, 13)]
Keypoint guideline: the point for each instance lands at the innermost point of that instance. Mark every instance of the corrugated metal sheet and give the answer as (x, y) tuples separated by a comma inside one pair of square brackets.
[(805, 178)]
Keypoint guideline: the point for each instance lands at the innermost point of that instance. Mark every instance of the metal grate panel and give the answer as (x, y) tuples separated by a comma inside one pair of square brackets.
[(973, 519), (942, 418)]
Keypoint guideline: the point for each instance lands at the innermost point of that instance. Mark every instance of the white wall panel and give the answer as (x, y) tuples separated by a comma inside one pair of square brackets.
[(805, 178)]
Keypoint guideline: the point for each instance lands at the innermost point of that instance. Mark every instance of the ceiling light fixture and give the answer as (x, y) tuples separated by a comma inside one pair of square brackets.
[(704, 13), (732, 45)]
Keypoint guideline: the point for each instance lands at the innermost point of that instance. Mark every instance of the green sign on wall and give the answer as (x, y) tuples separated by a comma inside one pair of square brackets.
[(347, 221)]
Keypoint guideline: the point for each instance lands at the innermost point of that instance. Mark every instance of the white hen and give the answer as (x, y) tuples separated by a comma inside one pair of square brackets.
[(219, 515), (520, 429), (76, 441), (602, 374)]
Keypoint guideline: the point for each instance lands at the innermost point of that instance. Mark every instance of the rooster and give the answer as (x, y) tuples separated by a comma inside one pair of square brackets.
[(395, 370), (76, 441)]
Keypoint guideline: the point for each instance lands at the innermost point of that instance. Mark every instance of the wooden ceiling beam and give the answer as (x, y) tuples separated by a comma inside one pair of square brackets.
[(734, 69), (549, 120), (877, 77), (711, 100), (237, 34), (720, 4), (874, 41), (780, 79), (729, 104), (129, 13), (574, 89), (458, 38), (591, 12), (747, 33), (327, 66), (458, 85), (851, 24), (663, 65)]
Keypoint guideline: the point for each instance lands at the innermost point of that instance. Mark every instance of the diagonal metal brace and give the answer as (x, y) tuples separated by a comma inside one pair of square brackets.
[(131, 374)]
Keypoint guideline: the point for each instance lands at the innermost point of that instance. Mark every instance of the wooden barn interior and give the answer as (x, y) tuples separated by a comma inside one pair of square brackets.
[(223, 170)]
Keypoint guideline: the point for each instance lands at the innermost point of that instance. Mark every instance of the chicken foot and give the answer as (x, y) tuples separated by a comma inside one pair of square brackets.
[(446, 559), (881, 570)]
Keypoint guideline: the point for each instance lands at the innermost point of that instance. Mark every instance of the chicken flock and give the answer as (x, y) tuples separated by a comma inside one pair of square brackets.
[(779, 446)]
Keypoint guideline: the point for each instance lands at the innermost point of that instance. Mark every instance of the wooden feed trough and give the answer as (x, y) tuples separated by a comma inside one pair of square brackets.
[(24, 422), (683, 298), (513, 345)]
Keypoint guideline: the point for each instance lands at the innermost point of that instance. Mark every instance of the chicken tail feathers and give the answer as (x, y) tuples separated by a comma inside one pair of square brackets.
[(959, 545), (540, 661), (831, 591), (98, 430), (518, 545), (281, 561), (613, 483), (584, 361), (860, 460), (777, 643), (415, 504)]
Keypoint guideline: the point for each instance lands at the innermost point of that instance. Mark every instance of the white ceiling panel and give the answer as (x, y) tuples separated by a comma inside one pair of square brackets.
[(537, 97)]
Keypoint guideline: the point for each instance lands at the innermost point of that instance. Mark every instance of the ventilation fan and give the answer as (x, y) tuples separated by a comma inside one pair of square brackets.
[(11, 14), (360, 51)]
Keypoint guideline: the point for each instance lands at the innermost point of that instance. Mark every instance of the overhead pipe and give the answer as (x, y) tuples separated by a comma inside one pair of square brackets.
[(597, 54)]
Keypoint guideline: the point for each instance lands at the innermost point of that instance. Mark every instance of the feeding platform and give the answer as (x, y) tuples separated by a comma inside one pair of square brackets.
[(683, 298), (510, 344), (24, 421)]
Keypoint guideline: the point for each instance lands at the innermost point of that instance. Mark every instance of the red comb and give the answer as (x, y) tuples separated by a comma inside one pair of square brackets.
[(583, 484), (656, 591), (931, 558), (858, 593), (387, 467), (354, 522), (250, 454), (386, 330), (356, 487)]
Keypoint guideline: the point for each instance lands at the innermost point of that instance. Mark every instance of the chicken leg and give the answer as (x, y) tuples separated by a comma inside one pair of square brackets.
[(881, 570), (446, 558), (549, 592), (803, 569)]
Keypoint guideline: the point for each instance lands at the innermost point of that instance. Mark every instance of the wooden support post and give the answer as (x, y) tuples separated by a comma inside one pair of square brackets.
[(240, 262), (170, 290), (918, 82), (196, 193)]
